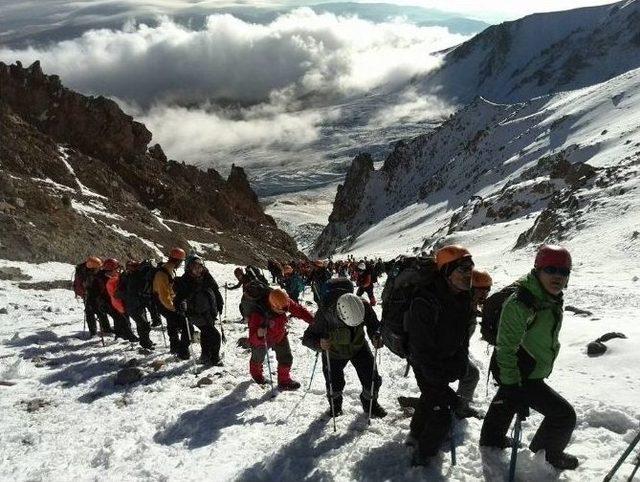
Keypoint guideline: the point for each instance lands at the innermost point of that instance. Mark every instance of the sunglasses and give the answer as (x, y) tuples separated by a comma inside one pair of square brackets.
[(465, 268), (555, 270)]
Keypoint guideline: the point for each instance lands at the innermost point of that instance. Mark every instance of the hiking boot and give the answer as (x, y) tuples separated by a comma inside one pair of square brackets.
[(376, 410), (563, 461), (259, 380), (419, 460), (288, 386), (337, 407), (147, 344), (184, 354)]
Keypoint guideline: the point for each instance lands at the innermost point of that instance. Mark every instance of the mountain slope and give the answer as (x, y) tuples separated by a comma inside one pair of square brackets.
[(76, 176), (541, 54), (494, 163)]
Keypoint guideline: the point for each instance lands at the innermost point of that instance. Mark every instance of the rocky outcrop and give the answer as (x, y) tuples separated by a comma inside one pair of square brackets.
[(77, 176), (94, 125), (346, 205)]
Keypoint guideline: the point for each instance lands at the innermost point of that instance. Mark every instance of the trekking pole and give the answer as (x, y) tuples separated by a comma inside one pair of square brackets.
[(333, 411), (313, 372), (188, 328), (517, 432), (164, 339), (315, 363), (635, 470), (266, 349), (452, 441), (373, 379), (225, 301), (622, 458)]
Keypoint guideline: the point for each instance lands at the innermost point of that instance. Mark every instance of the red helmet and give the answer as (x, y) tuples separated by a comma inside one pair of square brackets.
[(552, 255), (177, 253), (110, 264)]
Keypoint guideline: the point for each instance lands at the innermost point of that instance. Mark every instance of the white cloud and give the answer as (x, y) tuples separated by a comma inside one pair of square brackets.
[(232, 86), (412, 107)]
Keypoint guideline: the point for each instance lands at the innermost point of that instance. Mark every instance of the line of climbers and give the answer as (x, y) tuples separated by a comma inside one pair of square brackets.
[(145, 287), (430, 307)]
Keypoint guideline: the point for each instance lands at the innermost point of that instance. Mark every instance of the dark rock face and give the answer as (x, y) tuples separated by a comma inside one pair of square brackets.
[(348, 197), (95, 126), (77, 178), (346, 204)]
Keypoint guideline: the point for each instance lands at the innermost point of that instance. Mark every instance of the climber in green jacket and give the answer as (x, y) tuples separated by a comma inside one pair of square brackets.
[(526, 349)]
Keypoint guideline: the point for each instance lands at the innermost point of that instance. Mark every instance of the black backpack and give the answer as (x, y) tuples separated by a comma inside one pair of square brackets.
[(255, 274), (492, 310), (147, 271), (254, 297), (79, 278), (334, 289), (407, 276)]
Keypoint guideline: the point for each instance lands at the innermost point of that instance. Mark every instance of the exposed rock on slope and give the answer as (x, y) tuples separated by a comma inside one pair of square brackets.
[(552, 159), (76, 177)]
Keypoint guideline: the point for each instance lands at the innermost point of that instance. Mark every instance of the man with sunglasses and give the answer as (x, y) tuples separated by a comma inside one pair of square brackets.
[(438, 338), (527, 346)]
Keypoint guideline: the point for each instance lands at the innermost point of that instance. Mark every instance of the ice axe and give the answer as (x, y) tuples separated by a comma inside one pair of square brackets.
[(333, 411), (622, 458), (517, 434)]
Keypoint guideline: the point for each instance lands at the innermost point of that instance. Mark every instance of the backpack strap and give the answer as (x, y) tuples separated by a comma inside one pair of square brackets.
[(525, 297)]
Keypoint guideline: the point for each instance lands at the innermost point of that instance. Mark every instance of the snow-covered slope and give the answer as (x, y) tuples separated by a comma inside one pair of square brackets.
[(62, 417), (514, 62), (541, 54), (493, 163)]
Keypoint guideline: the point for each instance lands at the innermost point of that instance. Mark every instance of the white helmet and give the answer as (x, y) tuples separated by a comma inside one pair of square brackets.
[(362, 266), (350, 309)]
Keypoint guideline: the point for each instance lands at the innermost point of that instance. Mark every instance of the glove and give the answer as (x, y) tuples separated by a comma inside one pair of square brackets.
[(261, 332), (515, 395), (377, 342), (325, 344), (181, 308)]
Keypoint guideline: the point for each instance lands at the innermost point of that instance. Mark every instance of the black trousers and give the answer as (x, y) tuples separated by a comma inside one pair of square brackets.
[(210, 341), (362, 361), (368, 290), (143, 327), (431, 421), (554, 433), (121, 324), (91, 312), (152, 307), (176, 330)]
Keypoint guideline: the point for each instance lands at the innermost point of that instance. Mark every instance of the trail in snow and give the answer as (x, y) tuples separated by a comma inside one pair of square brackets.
[(165, 428)]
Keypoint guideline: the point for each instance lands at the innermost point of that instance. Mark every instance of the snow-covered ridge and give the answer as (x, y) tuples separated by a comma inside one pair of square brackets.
[(541, 54), (496, 156)]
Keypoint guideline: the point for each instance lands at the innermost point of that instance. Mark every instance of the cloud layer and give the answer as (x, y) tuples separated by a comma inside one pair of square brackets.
[(234, 85)]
